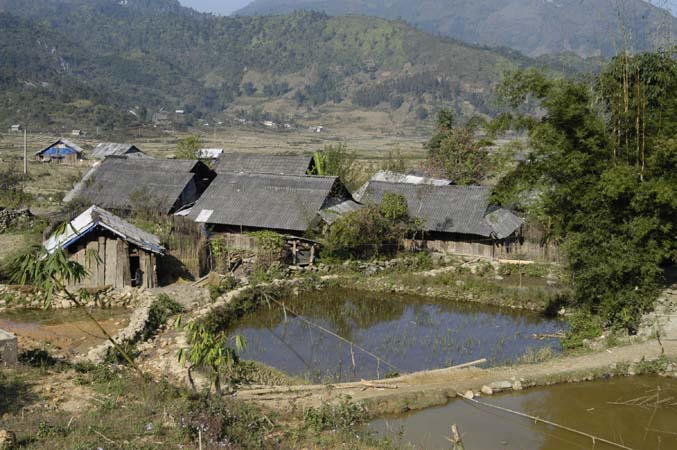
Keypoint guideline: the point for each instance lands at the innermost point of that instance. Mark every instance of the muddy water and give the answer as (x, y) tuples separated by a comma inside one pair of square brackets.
[(67, 329), (411, 333), (585, 407)]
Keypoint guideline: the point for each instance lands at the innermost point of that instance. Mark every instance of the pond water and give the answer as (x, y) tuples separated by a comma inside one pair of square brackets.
[(408, 334), (68, 329), (584, 406)]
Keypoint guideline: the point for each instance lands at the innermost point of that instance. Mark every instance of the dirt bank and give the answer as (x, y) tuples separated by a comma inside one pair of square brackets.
[(436, 387)]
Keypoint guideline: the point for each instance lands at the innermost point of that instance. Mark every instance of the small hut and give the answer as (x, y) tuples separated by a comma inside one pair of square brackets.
[(62, 151), (114, 252)]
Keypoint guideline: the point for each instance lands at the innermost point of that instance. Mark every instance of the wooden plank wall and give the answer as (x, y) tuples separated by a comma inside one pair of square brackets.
[(112, 267)]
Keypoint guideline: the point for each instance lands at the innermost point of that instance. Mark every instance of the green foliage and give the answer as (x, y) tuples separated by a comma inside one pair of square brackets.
[(160, 311), (188, 147), (372, 231), (12, 194), (394, 207), (454, 153), (268, 240), (226, 284), (209, 339), (337, 161), (582, 326), (344, 415), (601, 178)]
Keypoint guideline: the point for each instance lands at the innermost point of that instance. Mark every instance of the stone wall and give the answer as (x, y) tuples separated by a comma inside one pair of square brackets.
[(29, 297)]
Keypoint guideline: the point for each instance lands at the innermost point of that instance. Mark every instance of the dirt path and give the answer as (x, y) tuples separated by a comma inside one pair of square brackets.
[(436, 387)]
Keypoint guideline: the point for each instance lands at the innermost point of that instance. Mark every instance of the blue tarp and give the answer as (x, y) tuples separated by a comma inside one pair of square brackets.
[(59, 151)]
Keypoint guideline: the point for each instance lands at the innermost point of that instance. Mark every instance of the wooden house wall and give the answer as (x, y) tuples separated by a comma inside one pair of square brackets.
[(112, 266)]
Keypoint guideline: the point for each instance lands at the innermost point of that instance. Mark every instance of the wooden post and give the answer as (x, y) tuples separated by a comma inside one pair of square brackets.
[(25, 151), (456, 441), (312, 254), (90, 263), (293, 252)]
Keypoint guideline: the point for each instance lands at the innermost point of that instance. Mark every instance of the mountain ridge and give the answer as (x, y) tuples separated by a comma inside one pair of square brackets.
[(533, 27)]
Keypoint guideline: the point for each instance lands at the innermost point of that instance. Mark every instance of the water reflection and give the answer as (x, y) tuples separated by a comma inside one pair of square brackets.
[(409, 332), (586, 407)]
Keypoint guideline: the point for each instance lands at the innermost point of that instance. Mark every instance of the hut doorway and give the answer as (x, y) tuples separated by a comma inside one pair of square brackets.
[(135, 270)]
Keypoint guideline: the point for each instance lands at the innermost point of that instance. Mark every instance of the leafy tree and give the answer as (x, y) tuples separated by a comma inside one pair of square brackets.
[(373, 230), (601, 178), (188, 147), (209, 350), (454, 153), (337, 161)]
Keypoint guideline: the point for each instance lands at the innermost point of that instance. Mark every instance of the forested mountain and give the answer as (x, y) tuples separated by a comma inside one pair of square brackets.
[(97, 60), (534, 27)]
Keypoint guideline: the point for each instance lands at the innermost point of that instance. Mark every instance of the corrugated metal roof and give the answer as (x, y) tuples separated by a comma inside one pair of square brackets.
[(271, 164), (106, 149), (449, 209), (289, 203), (63, 141), (123, 184), (97, 217)]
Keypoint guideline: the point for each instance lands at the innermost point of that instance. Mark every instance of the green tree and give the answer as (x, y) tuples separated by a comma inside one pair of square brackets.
[(337, 161), (454, 153), (188, 147), (602, 179)]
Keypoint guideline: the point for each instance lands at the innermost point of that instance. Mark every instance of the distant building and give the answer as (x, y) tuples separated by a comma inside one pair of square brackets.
[(126, 255), (76, 133), (179, 112), (106, 149), (161, 119), (15, 129), (62, 151)]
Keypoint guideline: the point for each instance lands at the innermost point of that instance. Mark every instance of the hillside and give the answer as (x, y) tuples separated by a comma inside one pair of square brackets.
[(110, 63), (533, 27)]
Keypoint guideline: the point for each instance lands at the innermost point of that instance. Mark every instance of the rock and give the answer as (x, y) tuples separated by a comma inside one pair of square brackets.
[(498, 386), (486, 390), (517, 386), (7, 440), (469, 394)]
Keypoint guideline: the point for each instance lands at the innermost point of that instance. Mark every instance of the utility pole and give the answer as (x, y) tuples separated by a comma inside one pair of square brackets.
[(25, 151)]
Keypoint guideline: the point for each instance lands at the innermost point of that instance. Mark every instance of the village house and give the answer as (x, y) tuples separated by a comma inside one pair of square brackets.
[(77, 133), (455, 219), (271, 164), (106, 149), (62, 151), (291, 205), (124, 184), (115, 253), (15, 129)]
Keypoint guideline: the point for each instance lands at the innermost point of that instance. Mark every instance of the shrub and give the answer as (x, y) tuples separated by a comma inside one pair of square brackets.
[(582, 326), (335, 416)]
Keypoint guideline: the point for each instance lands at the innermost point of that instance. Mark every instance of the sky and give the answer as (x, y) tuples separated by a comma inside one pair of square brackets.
[(225, 7)]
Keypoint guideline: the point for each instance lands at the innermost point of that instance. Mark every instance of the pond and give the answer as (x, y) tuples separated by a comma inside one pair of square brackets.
[(407, 333), (595, 408), (67, 329)]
